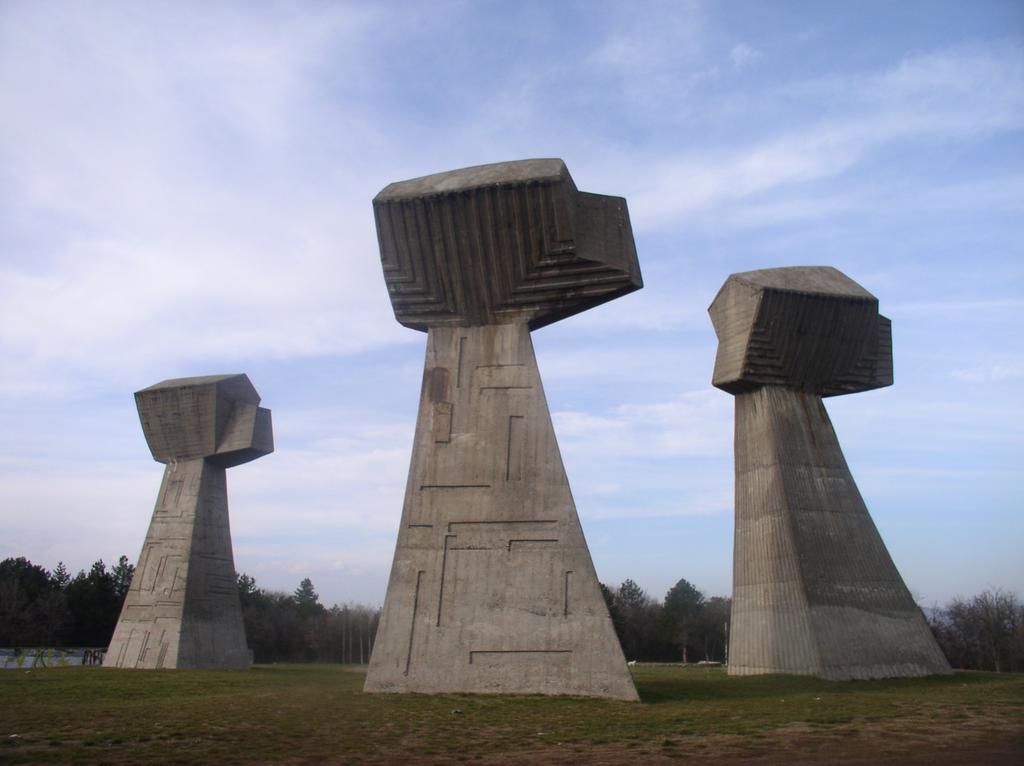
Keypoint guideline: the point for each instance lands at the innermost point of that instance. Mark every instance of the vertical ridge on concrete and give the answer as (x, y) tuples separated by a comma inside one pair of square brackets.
[(182, 609), (499, 242), (492, 588), (815, 590)]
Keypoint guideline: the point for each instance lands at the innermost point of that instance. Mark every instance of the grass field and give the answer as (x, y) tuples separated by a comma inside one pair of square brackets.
[(312, 714)]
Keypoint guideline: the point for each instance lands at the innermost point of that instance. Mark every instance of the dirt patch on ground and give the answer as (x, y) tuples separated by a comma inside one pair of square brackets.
[(985, 741)]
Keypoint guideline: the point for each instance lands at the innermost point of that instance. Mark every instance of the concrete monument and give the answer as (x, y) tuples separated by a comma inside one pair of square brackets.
[(182, 609), (492, 587), (815, 591)]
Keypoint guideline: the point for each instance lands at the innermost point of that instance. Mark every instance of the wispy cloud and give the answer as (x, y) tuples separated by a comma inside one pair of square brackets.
[(1006, 306), (955, 95), (999, 370), (659, 459), (742, 54), (695, 424), (807, 203), (185, 188), (174, 183)]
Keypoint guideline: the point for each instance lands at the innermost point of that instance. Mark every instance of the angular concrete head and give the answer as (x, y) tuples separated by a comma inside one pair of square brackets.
[(216, 417), (809, 328), (513, 241)]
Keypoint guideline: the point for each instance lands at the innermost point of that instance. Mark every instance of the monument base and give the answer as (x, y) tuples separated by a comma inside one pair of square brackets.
[(815, 591), (183, 608), (492, 588)]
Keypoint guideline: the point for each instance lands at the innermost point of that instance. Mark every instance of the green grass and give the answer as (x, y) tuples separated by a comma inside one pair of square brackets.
[(319, 714)]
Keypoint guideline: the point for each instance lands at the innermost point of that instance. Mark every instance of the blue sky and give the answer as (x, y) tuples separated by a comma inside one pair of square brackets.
[(185, 189)]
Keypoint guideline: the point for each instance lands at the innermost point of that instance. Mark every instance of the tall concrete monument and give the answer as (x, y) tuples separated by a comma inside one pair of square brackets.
[(815, 591), (492, 587), (182, 609)]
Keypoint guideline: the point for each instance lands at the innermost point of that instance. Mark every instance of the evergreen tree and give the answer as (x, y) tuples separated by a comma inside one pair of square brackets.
[(32, 612), (60, 577), (630, 595), (639, 615), (613, 609), (25, 588), (307, 600), (95, 606), (247, 590), (680, 615), (122, 574)]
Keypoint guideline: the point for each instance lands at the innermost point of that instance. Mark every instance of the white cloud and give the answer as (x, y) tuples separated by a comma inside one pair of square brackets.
[(955, 95), (649, 59), (695, 424), (927, 426), (798, 204), (657, 307), (742, 54), (76, 512), (993, 371), (195, 210), (650, 43), (663, 459), (162, 174), (1006, 306)]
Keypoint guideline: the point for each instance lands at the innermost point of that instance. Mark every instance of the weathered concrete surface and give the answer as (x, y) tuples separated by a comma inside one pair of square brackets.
[(814, 589), (807, 328), (508, 242), (182, 609), (492, 587)]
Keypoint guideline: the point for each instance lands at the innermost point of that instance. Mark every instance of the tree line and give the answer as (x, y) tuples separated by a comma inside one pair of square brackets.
[(296, 627), (39, 608), (683, 627)]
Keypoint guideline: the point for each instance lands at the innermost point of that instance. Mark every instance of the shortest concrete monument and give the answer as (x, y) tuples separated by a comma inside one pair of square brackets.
[(183, 610), (814, 589)]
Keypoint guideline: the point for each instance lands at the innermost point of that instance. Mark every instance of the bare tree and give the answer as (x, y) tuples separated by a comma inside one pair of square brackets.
[(985, 632)]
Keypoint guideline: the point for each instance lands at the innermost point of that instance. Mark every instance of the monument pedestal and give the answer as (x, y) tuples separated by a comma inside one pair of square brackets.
[(814, 588), (492, 588)]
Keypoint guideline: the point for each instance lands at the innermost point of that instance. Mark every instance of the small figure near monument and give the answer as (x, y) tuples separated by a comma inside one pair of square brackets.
[(182, 609), (815, 591), (492, 587)]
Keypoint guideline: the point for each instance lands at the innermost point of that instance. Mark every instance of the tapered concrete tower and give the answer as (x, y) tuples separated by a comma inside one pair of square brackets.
[(183, 610), (492, 587), (815, 591)]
